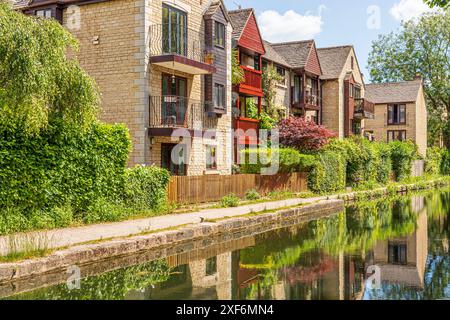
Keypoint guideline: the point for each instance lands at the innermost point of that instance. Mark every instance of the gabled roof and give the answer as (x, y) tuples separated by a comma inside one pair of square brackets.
[(333, 60), (393, 92), (239, 19), (295, 53), (214, 6), (273, 55)]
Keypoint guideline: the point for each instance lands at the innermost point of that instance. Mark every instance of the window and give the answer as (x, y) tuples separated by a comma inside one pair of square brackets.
[(396, 135), (219, 32), (397, 114), (47, 13), (219, 95), (356, 127), (357, 92), (282, 72), (397, 253), (351, 88), (257, 62), (174, 31), (211, 157), (211, 266)]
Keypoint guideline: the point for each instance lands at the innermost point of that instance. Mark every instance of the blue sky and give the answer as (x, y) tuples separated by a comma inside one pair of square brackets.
[(332, 22)]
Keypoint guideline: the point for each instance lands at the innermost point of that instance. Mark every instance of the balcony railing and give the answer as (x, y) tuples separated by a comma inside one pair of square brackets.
[(180, 112), (187, 43), (312, 99), (252, 78), (364, 109)]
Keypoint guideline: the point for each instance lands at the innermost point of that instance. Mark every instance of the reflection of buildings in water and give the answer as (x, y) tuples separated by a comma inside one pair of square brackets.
[(402, 260)]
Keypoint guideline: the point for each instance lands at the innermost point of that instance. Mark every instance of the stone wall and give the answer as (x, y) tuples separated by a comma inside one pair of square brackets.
[(111, 36)]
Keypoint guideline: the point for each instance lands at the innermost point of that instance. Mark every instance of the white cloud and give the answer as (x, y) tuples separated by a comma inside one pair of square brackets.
[(409, 9), (290, 26)]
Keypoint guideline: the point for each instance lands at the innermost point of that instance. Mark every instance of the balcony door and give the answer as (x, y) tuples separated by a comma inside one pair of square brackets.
[(174, 100), (177, 166), (174, 31)]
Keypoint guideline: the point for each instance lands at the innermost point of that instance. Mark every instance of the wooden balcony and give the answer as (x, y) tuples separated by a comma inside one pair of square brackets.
[(247, 130), (364, 109), (252, 84)]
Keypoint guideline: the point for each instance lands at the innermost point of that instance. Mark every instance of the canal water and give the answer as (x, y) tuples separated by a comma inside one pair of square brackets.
[(389, 249)]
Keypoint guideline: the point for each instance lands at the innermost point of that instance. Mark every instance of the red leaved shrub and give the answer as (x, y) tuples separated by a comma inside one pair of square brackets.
[(306, 136)]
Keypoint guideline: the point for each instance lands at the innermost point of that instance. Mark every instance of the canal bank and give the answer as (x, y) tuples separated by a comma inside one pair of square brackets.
[(138, 235)]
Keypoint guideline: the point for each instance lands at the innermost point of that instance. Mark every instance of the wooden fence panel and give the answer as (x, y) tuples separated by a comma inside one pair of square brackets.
[(210, 188)]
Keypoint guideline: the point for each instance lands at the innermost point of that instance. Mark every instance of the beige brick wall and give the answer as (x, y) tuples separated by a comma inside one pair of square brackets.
[(332, 108), (333, 96), (421, 123), (116, 63)]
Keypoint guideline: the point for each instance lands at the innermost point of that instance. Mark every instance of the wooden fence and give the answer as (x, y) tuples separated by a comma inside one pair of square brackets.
[(210, 188)]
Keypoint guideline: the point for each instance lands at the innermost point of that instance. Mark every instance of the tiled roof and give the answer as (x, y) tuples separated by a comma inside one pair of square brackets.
[(381, 93), (295, 53), (213, 8), (273, 55), (333, 60), (239, 19)]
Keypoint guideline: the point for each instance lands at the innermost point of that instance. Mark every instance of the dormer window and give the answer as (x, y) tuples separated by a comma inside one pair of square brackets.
[(46, 13)]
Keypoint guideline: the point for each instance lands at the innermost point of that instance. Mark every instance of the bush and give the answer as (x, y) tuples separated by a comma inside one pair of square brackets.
[(287, 160), (328, 173), (229, 201), (303, 135), (382, 164), (252, 195), (445, 162), (402, 156), (433, 162), (61, 167), (146, 188)]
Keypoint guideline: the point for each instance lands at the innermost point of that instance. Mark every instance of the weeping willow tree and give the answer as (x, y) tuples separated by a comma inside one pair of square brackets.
[(38, 82)]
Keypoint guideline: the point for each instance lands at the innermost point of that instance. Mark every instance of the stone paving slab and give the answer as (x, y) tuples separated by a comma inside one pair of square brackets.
[(66, 237)]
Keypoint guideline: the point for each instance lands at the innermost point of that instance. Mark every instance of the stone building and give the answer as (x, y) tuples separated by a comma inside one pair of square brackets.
[(400, 112), (298, 61), (344, 106), (163, 68)]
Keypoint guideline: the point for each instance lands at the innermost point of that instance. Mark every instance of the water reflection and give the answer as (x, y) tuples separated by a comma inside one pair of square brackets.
[(407, 239)]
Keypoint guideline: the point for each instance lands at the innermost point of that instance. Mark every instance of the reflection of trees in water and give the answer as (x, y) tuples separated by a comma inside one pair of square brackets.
[(304, 256), (113, 285)]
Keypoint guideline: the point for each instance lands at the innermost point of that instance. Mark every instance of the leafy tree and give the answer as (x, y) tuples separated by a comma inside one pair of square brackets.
[(303, 135), (438, 3), (270, 79), (420, 47), (38, 81)]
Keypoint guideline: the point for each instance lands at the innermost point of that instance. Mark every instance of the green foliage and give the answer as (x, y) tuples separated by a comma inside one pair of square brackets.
[(252, 109), (382, 164), (146, 188), (38, 82), (328, 173), (433, 161), (445, 162), (438, 3), (272, 113), (419, 47), (237, 74), (402, 156), (229, 201), (286, 160), (42, 176), (252, 195)]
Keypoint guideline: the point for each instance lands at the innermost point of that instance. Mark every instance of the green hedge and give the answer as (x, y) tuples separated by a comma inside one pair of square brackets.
[(365, 161), (402, 156), (328, 172), (433, 162), (146, 188), (58, 174), (288, 160)]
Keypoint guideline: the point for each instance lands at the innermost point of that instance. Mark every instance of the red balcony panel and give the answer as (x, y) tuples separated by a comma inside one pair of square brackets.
[(250, 129)]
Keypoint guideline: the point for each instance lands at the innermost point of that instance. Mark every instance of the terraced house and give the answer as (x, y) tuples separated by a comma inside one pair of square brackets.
[(344, 105), (400, 112), (163, 68), (299, 64)]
